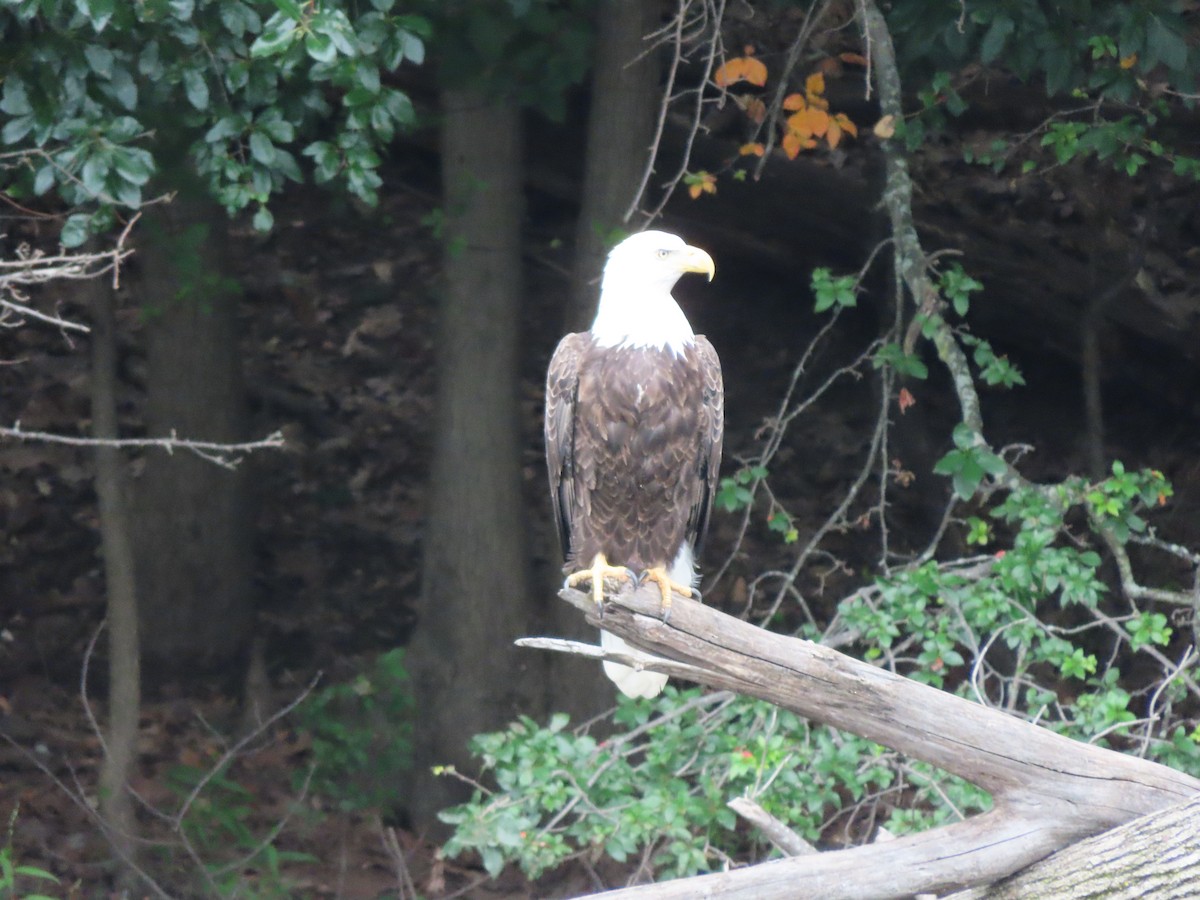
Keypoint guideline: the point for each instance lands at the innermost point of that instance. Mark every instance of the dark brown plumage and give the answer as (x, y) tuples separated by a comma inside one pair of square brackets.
[(633, 445)]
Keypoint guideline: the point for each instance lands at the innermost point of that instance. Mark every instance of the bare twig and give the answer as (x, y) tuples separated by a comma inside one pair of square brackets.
[(222, 454)]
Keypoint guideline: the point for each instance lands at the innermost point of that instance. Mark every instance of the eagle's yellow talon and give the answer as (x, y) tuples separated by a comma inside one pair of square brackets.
[(596, 574), (666, 585)]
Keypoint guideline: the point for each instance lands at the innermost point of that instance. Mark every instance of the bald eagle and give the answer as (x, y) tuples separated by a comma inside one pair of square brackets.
[(634, 420)]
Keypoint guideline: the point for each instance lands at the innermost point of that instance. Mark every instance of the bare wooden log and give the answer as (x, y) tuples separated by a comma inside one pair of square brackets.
[(1157, 855), (1048, 791)]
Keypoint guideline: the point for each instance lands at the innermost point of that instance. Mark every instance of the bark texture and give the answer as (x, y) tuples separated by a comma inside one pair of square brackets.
[(124, 691), (1155, 856), (193, 520), (625, 96), (475, 594)]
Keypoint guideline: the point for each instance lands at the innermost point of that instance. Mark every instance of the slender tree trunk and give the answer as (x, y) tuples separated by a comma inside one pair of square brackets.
[(625, 95), (475, 595), (193, 546), (124, 694)]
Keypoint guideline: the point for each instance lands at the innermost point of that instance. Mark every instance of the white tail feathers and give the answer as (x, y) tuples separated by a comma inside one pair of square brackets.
[(631, 682)]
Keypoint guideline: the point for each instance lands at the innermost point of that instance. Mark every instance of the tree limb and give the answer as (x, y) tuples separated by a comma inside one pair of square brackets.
[(1049, 791)]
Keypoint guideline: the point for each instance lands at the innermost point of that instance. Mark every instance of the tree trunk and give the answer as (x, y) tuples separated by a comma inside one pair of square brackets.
[(124, 694), (194, 560), (625, 96), (475, 593)]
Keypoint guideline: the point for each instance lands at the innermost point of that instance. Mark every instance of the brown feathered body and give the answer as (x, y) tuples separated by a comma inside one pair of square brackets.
[(633, 445)]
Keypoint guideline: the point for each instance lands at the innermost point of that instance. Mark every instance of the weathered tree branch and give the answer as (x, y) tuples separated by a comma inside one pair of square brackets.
[(1049, 791), (1157, 855)]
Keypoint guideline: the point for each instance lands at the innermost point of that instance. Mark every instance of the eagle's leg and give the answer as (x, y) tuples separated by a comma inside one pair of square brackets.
[(667, 585), (596, 574)]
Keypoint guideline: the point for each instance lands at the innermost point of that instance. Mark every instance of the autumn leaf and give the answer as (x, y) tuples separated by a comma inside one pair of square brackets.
[(814, 85), (906, 400), (752, 149), (1128, 62), (853, 59), (809, 122), (844, 123), (793, 143), (755, 109), (741, 68), (793, 102), (833, 135), (885, 127), (700, 183)]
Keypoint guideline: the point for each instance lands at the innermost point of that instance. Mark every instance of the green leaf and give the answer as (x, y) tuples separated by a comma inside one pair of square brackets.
[(261, 148), (224, 127), (196, 88), (124, 89), (994, 38), (289, 8), (412, 47), (320, 47), (15, 129), (263, 220), (99, 59), (15, 101), (43, 180), (134, 165), (1165, 45), (75, 230), (277, 35), (98, 12)]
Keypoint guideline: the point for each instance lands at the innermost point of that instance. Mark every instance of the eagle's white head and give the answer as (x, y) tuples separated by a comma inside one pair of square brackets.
[(636, 307)]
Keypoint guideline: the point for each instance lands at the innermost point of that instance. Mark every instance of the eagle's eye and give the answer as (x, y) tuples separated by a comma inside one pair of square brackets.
[(663, 253)]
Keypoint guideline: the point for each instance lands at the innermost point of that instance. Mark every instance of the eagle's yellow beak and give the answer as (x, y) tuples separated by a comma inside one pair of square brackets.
[(696, 260)]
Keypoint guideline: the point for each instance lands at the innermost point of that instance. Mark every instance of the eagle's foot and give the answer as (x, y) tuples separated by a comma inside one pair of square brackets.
[(595, 576), (666, 585)]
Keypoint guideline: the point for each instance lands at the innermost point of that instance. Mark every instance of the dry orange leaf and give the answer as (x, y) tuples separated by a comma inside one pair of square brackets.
[(809, 122), (830, 65), (752, 149), (906, 400), (1128, 62), (756, 110), (814, 85), (741, 68), (854, 59), (833, 136), (793, 143), (845, 124), (793, 102), (885, 127)]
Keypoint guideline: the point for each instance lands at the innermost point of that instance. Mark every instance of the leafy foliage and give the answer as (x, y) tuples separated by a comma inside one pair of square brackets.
[(1122, 59), (660, 787), (100, 97), (217, 830), (361, 734), (14, 874)]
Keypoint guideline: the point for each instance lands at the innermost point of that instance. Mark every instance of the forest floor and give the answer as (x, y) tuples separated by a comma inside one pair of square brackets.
[(339, 320)]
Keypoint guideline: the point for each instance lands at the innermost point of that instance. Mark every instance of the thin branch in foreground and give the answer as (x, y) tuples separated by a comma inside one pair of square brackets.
[(221, 454)]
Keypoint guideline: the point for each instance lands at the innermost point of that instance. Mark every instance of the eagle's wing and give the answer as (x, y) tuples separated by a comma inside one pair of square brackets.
[(712, 430), (562, 386)]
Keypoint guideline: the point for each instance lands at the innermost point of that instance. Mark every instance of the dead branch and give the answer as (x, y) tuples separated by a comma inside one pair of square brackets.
[(222, 454), (1048, 791)]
